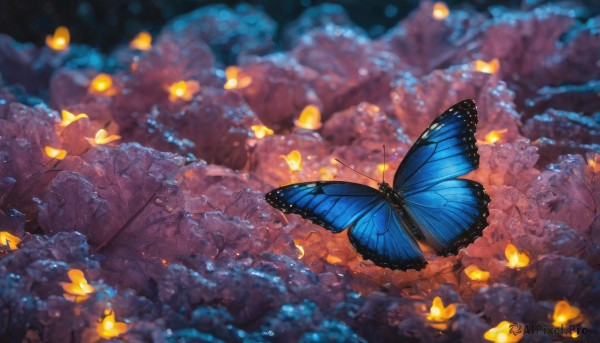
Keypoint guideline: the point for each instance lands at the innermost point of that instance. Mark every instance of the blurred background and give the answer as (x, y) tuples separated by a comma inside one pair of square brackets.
[(106, 23)]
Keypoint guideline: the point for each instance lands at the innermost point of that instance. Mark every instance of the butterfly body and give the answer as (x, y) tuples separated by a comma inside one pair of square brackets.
[(426, 201)]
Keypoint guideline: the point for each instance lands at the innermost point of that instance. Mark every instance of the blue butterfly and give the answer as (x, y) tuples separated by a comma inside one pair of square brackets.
[(427, 201)]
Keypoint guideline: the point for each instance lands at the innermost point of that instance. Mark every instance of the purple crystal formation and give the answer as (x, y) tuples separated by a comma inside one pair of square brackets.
[(170, 224)]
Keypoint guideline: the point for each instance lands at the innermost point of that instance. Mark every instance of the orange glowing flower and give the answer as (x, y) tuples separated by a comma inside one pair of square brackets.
[(102, 84), (68, 118), (476, 274), (143, 41), (383, 167), (293, 160), (494, 136), (233, 79), (440, 11), (102, 137), (60, 40), (439, 313), (515, 258), (9, 240), (261, 131), (504, 332), (109, 328), (300, 250), (57, 154), (490, 67), (310, 118), (78, 289), (332, 259), (594, 162), (327, 172), (184, 90), (565, 314)]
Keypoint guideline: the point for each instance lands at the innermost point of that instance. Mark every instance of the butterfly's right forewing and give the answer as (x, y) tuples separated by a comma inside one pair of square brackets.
[(450, 213), (446, 150)]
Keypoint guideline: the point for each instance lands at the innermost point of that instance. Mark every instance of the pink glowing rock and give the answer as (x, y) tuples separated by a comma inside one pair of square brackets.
[(557, 237), (35, 124), (12, 221), (471, 327), (269, 161), (170, 60), (362, 71), (286, 84), (67, 248), (262, 291), (562, 98), (563, 192), (68, 87), (215, 127), (562, 133), (171, 289), (229, 32), (6, 99), (424, 43), (500, 302), (24, 132), (513, 39), (230, 237), (218, 125), (562, 125), (32, 67), (509, 164), (574, 53), (76, 137), (419, 101), (364, 125), (561, 277), (211, 187), (30, 282), (105, 180), (16, 62), (98, 111), (23, 177)]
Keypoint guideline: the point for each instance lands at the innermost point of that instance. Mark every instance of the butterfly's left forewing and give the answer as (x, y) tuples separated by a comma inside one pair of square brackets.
[(375, 228)]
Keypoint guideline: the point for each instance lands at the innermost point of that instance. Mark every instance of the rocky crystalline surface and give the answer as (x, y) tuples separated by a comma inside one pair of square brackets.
[(169, 223)]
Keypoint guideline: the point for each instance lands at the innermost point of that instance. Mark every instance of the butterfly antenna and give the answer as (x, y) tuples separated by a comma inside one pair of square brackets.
[(383, 172), (354, 170)]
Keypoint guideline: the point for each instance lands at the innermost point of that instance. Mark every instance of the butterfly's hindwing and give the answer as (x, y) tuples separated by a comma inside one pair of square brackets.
[(380, 236), (451, 214)]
